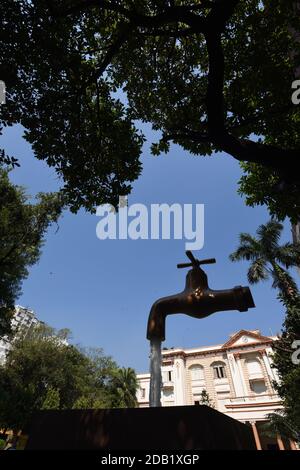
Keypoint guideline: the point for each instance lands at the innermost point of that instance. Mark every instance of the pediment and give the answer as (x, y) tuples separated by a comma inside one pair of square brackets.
[(244, 337)]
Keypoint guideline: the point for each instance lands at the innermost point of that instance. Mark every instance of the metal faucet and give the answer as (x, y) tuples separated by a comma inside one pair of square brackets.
[(197, 299)]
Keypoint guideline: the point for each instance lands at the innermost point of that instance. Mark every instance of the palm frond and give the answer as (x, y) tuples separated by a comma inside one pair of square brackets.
[(247, 238), (269, 235), (257, 271), (248, 249), (288, 254)]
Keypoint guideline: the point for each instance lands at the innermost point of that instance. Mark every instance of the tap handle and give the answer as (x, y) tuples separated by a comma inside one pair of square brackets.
[(207, 261), (192, 258), (195, 262), (184, 265)]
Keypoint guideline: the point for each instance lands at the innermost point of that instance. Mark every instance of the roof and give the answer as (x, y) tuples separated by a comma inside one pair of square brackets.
[(239, 339)]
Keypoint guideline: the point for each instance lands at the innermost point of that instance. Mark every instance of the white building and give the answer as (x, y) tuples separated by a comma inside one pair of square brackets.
[(23, 318), (237, 375)]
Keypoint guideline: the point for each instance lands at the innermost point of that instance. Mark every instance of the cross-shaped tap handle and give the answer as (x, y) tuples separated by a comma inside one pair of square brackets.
[(195, 262)]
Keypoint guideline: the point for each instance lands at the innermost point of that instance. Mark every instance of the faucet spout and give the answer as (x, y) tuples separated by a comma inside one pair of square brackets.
[(196, 300)]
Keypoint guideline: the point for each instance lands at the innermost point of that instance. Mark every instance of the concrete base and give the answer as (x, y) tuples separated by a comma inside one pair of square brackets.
[(168, 428)]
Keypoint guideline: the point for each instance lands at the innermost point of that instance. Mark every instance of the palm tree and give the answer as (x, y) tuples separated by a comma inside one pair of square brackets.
[(126, 385), (268, 258)]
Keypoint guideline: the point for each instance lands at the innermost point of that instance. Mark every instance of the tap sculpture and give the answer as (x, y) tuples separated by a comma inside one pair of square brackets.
[(196, 300)]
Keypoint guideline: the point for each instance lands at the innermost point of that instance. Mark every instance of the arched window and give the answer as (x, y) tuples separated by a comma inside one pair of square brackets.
[(197, 372), (254, 367), (219, 370)]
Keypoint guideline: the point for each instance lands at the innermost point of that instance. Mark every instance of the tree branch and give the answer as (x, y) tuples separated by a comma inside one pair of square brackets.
[(214, 93), (171, 34), (220, 13), (124, 32), (282, 160), (187, 135), (212, 26), (171, 14), (83, 5)]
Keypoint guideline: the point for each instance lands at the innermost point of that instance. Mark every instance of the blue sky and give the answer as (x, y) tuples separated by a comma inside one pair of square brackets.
[(102, 290)]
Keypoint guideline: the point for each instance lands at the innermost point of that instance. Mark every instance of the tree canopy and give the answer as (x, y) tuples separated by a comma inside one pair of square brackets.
[(43, 371), (264, 187), (22, 229), (207, 74), (287, 363)]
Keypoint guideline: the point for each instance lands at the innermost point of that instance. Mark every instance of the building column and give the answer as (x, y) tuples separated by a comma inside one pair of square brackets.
[(279, 442), (292, 444), (235, 375), (179, 382), (256, 435), (240, 369)]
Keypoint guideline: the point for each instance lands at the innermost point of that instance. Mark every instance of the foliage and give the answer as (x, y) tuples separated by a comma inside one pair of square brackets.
[(43, 372), (52, 399), (185, 67), (262, 186), (267, 257), (279, 424), (22, 229), (124, 388), (91, 402), (289, 369), (205, 399)]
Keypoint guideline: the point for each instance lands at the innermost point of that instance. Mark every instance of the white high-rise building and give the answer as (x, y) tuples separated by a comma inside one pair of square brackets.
[(23, 318)]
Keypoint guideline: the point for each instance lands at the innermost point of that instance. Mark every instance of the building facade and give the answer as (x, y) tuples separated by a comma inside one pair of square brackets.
[(237, 376), (23, 318)]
